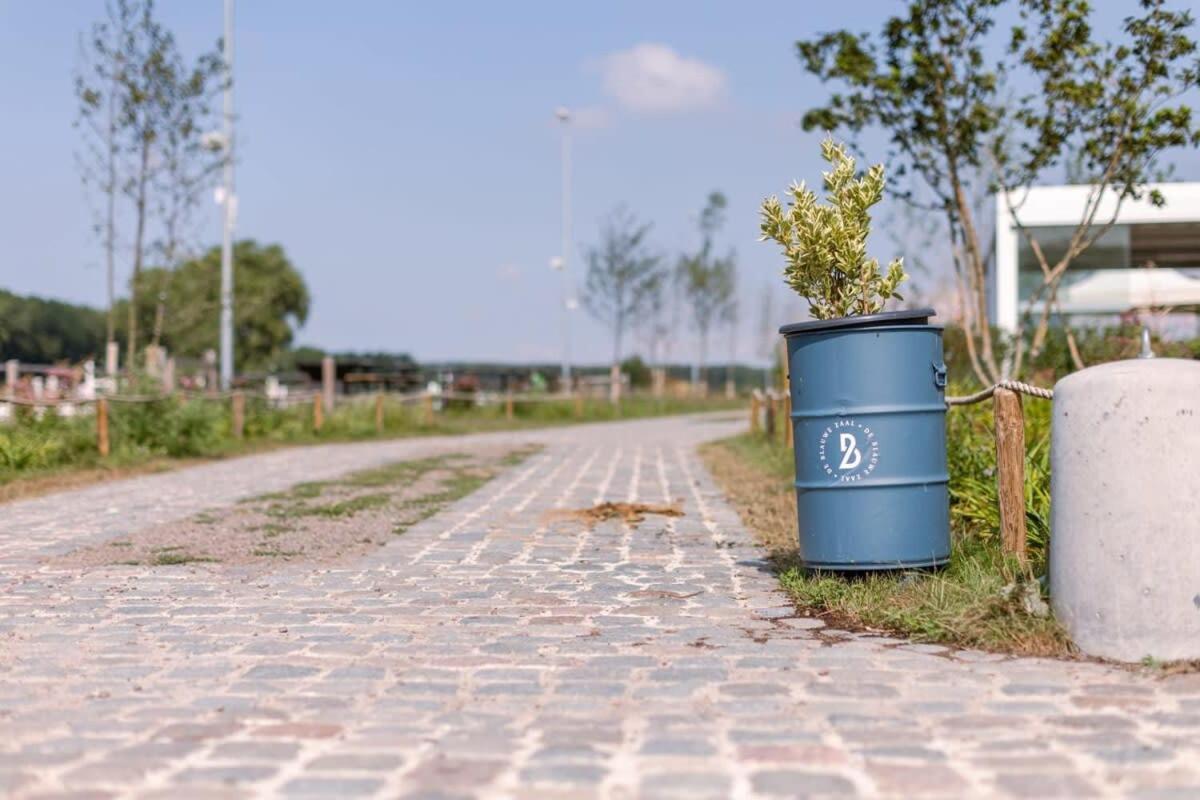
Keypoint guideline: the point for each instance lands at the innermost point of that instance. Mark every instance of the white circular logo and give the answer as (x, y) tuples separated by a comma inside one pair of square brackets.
[(848, 451)]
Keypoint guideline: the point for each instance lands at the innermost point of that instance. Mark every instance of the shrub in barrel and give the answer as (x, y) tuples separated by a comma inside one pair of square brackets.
[(867, 386)]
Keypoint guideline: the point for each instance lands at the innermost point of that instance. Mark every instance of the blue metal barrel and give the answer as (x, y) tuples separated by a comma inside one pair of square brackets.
[(869, 420)]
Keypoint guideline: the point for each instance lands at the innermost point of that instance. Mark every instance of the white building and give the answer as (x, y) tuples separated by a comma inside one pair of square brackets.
[(1150, 259)]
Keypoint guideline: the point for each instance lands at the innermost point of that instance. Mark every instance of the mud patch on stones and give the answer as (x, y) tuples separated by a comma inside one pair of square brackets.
[(313, 522), (632, 514)]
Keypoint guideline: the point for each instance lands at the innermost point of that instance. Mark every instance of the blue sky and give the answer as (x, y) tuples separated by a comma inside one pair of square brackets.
[(407, 155)]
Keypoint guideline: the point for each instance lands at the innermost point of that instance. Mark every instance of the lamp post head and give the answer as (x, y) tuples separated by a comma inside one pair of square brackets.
[(557, 263), (563, 114), (214, 141)]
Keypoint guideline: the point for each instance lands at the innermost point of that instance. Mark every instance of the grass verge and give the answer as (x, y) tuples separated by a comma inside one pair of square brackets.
[(981, 600), (48, 454)]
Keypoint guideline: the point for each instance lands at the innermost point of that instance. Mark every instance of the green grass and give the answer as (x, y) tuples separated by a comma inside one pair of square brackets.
[(348, 508), (272, 529), (983, 599), (278, 553), (400, 471), (170, 559)]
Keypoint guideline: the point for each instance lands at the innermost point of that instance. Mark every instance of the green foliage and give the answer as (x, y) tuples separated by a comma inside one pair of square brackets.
[(826, 245), (1111, 107), (40, 331), (1053, 362), (974, 602), (37, 442), (272, 301), (982, 598), (172, 428), (971, 456), (942, 92), (169, 427), (638, 372)]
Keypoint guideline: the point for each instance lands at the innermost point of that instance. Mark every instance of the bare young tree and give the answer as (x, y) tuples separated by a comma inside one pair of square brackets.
[(934, 83), (730, 317), (768, 331), (140, 104), (655, 325), (707, 281), (623, 275), (186, 171), (99, 78)]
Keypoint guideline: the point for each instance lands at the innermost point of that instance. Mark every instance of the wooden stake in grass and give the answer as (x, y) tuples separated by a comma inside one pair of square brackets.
[(318, 413), (238, 403), (787, 410), (427, 402), (102, 427), (379, 413), (755, 426), (328, 382), (769, 422), (508, 406), (1010, 470), (781, 416), (578, 405)]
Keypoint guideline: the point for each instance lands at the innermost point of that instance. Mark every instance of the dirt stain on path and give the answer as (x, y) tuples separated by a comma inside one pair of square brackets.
[(315, 522)]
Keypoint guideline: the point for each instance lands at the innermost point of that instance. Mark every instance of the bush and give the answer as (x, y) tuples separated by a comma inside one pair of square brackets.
[(1096, 346), (170, 427)]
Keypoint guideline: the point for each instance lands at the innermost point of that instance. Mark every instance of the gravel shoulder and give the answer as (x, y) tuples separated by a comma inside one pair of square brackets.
[(315, 522)]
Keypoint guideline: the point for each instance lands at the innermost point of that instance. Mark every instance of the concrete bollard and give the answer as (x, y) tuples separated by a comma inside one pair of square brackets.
[(1125, 509)]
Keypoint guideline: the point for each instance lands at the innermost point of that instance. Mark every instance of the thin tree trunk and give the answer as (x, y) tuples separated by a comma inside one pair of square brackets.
[(110, 225), (139, 236), (978, 279)]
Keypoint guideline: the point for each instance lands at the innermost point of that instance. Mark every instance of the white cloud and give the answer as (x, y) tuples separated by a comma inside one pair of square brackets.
[(653, 78)]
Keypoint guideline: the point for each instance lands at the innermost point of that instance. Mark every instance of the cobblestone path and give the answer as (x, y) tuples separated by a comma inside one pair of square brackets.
[(489, 653)]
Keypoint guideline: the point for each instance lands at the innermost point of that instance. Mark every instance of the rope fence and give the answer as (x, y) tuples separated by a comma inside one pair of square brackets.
[(321, 402)]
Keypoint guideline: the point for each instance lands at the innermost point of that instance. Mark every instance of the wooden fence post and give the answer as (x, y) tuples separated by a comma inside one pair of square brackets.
[(508, 405), (755, 426), (318, 412), (102, 426), (578, 405), (1010, 470), (781, 417), (427, 401), (787, 411), (379, 413), (12, 373), (783, 364), (769, 421), (328, 381), (238, 403), (211, 384)]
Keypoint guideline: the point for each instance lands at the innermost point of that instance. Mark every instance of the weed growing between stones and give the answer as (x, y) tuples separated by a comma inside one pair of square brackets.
[(315, 521)]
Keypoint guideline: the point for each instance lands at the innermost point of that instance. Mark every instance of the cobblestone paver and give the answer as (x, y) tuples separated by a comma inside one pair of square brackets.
[(490, 652)]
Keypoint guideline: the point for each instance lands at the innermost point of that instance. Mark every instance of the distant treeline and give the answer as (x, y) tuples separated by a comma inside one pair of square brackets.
[(40, 331)]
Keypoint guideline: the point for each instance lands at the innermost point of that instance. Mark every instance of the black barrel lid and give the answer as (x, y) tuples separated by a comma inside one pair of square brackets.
[(911, 316)]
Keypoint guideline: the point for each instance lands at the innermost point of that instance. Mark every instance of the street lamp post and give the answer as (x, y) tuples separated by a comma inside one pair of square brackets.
[(563, 262), (230, 203)]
